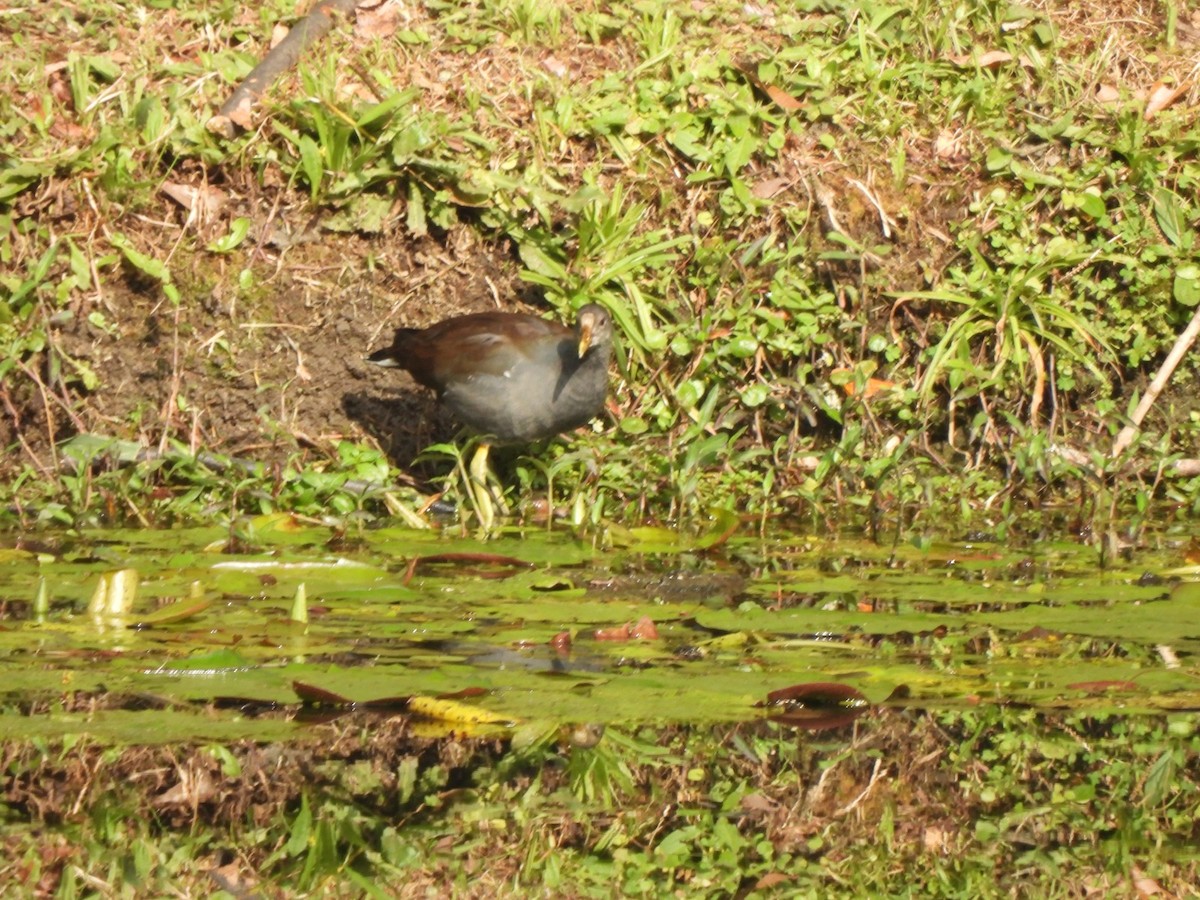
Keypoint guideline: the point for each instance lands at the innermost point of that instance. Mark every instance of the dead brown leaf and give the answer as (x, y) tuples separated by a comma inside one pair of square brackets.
[(948, 147), (935, 839), (1144, 885), (990, 59), (555, 67), (777, 95), (60, 85), (377, 21), (205, 200), (782, 98), (1162, 96), (770, 880), (993, 58), (769, 187)]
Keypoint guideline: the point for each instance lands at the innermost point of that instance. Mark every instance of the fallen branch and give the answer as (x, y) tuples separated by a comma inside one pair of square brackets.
[(236, 110), (1183, 344)]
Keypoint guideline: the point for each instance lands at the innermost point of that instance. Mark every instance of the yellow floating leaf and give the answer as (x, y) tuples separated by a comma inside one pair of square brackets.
[(452, 711)]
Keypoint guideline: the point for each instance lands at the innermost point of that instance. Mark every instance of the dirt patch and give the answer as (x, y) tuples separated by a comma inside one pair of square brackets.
[(256, 377)]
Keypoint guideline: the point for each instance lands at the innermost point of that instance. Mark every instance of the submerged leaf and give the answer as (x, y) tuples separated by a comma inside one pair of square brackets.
[(176, 612)]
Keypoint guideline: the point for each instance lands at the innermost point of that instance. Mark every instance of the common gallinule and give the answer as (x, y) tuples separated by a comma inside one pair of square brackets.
[(509, 377)]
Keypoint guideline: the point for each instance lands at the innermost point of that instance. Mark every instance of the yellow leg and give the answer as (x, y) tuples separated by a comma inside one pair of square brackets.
[(480, 491)]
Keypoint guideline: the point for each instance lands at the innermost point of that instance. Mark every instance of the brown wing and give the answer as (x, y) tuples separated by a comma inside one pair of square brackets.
[(481, 343)]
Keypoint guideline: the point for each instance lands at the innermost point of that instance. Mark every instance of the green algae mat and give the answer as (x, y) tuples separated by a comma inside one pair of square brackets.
[(288, 708), (214, 627)]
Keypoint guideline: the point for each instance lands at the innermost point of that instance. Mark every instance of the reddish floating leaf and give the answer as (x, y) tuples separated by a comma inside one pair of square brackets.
[(817, 706), (561, 641), (645, 630), (620, 633), (818, 693), (818, 719)]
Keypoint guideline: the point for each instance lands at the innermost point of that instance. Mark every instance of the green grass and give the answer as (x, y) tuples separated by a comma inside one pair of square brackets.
[(982, 803), (775, 203)]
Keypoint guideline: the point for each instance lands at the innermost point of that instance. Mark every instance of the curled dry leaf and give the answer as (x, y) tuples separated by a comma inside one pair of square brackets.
[(206, 201), (771, 880), (66, 131), (221, 125), (191, 790), (584, 735), (59, 84), (232, 880), (1162, 96)]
